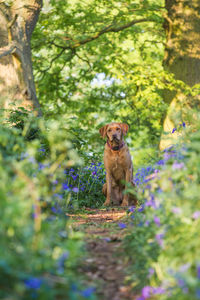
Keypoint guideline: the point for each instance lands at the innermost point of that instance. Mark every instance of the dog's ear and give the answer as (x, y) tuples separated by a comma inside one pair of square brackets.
[(103, 130), (124, 128)]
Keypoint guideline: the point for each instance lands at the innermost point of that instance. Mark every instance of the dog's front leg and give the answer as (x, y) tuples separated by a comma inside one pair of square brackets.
[(109, 188), (129, 175)]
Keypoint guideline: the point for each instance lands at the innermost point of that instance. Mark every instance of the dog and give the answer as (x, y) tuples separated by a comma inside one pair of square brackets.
[(118, 165)]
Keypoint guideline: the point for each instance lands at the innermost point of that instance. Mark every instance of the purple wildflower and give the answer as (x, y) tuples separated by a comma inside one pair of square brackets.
[(33, 283), (74, 177), (158, 291), (184, 267), (61, 261), (178, 166), (151, 202), (58, 196), (146, 292), (55, 181), (107, 239), (141, 208), (184, 125), (157, 221), (75, 190), (176, 210), (198, 271), (151, 272), (54, 209), (160, 162), (159, 238), (65, 186), (196, 215), (122, 225), (87, 293), (185, 290), (174, 129), (131, 209), (181, 282), (198, 293)]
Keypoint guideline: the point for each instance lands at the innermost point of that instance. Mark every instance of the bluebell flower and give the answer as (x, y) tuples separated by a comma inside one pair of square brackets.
[(41, 166), (75, 190), (198, 271), (184, 267), (157, 221), (181, 282), (32, 160), (146, 292), (54, 209), (160, 162), (87, 293), (74, 177), (141, 208), (65, 186), (131, 209), (62, 234), (33, 283), (176, 210), (158, 291), (56, 195), (140, 224), (55, 182), (107, 239), (178, 166), (197, 293), (151, 272), (174, 129), (159, 238), (122, 225), (61, 262), (196, 215)]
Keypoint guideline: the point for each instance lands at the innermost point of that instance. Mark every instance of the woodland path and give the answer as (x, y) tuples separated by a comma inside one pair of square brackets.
[(106, 263)]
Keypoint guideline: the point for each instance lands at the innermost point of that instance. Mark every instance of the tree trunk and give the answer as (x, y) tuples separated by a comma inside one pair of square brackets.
[(182, 58), (17, 88)]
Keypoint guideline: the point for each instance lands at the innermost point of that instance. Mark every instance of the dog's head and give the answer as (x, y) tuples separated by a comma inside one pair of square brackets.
[(114, 131)]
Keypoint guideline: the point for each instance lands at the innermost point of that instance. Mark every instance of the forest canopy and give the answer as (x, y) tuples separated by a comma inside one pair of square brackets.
[(100, 61)]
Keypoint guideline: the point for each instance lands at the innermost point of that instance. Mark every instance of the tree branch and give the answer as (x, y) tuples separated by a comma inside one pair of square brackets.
[(111, 28), (107, 29), (7, 49)]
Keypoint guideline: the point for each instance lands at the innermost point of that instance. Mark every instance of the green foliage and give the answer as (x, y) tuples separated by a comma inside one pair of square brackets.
[(163, 244), (87, 68), (39, 251)]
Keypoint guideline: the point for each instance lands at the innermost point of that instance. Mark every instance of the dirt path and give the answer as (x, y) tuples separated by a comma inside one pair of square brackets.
[(106, 263)]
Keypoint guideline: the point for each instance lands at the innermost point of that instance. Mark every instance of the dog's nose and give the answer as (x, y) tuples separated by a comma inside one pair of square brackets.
[(114, 135)]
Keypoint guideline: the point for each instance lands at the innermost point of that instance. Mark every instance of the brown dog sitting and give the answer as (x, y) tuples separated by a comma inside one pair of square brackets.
[(118, 165)]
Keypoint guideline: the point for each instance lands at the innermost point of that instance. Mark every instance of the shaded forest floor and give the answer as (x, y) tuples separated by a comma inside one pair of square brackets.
[(105, 265)]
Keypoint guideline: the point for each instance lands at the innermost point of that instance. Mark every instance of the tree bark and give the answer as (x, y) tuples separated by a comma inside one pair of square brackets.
[(17, 88), (182, 58)]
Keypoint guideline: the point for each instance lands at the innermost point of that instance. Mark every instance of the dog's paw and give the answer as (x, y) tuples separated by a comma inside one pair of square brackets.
[(106, 203)]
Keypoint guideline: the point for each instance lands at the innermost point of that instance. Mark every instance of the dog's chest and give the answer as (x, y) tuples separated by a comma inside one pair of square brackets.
[(117, 163)]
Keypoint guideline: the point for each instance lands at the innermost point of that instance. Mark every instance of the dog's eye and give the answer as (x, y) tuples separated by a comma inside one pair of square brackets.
[(118, 129), (109, 130)]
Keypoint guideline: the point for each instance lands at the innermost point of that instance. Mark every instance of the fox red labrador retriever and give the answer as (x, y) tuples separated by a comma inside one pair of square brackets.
[(118, 165)]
